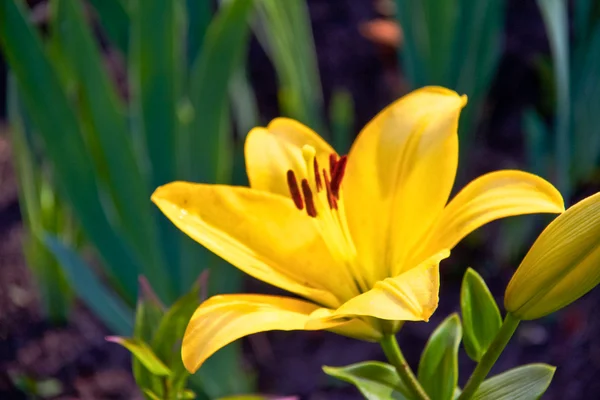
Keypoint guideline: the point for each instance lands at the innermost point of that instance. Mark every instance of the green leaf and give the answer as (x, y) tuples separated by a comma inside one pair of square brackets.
[(53, 116), (143, 353), (109, 129), (375, 380), (50, 280), (148, 314), (186, 395), (528, 382), (285, 32), (172, 326), (199, 14), (554, 14), (204, 148), (438, 368), (150, 394), (114, 20), (157, 73), (481, 318), (117, 316)]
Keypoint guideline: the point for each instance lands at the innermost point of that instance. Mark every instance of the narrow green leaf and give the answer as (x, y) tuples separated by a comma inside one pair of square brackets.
[(554, 14), (169, 332), (58, 126), (375, 380), (117, 316), (115, 21), (186, 395), (150, 394), (528, 382), (284, 30), (225, 43), (438, 368), (586, 102), (243, 104), (55, 292), (149, 312), (109, 129), (481, 318), (143, 353), (157, 75), (199, 14)]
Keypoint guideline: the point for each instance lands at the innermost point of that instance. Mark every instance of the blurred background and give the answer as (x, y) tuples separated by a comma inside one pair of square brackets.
[(101, 101)]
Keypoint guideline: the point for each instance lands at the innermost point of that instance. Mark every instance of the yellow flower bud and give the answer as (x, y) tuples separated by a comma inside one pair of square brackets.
[(562, 265)]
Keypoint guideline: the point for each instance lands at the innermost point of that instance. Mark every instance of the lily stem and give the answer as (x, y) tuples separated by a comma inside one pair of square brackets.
[(396, 358), (509, 326)]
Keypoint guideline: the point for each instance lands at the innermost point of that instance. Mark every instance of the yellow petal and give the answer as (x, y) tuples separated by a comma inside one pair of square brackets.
[(411, 296), (492, 196), (562, 265), (262, 234), (222, 319), (357, 328), (400, 171), (270, 152)]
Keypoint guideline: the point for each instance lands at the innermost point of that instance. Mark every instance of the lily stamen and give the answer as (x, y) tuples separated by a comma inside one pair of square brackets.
[(330, 198), (311, 210), (295, 190), (336, 176), (317, 175)]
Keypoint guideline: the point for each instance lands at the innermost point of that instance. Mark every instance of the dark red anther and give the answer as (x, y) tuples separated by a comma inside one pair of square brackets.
[(330, 199), (337, 175), (317, 175), (332, 162), (308, 199), (294, 190)]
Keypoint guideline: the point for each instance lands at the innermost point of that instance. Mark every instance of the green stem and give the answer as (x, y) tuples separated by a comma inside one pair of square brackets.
[(490, 357), (396, 358)]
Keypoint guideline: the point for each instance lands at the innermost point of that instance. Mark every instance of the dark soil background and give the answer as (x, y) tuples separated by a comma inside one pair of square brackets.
[(289, 363)]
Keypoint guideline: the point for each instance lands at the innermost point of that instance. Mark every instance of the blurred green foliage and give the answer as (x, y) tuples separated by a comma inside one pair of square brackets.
[(567, 150), (456, 44), (91, 149)]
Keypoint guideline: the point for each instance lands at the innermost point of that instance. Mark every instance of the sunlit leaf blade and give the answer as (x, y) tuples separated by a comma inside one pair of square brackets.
[(438, 368), (142, 352), (528, 382), (115, 21), (375, 380), (481, 318), (109, 129), (57, 124), (148, 314), (150, 394), (117, 316)]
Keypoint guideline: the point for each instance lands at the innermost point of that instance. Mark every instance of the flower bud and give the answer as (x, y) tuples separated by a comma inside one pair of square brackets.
[(562, 265)]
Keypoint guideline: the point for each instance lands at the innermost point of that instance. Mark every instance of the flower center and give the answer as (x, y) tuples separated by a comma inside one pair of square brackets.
[(318, 193), (331, 181)]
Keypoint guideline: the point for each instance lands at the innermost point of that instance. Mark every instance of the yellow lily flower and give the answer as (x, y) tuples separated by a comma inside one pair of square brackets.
[(562, 265), (360, 237)]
